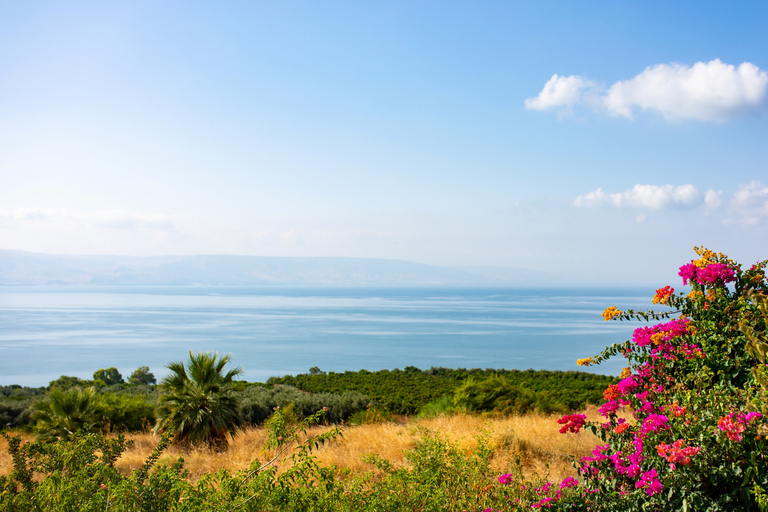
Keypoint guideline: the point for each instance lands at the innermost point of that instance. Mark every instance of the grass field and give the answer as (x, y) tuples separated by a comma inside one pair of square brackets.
[(535, 438)]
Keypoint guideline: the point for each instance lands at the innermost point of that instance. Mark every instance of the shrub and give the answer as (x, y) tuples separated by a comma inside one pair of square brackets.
[(63, 413), (198, 404), (258, 402), (495, 394), (697, 439), (124, 412)]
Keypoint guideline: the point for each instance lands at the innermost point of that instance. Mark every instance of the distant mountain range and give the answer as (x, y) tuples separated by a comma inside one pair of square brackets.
[(36, 269)]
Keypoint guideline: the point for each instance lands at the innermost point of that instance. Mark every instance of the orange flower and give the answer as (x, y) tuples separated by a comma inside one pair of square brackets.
[(611, 313), (623, 427), (587, 361), (663, 294), (611, 392)]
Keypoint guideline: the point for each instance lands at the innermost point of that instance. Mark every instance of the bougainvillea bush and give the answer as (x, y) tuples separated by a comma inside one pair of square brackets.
[(685, 427)]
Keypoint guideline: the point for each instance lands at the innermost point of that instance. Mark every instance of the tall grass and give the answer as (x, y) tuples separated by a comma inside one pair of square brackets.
[(534, 438)]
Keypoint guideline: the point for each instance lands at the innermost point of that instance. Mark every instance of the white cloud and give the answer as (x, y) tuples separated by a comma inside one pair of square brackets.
[(652, 197), (751, 200), (560, 91), (712, 198), (707, 91)]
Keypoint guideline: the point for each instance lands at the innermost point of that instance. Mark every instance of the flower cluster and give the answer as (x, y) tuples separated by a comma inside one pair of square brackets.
[(663, 294), (545, 500), (677, 453), (611, 312), (587, 361), (735, 424), (714, 274), (650, 482), (572, 423)]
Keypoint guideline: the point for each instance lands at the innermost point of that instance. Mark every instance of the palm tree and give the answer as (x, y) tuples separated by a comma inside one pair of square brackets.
[(198, 404), (65, 412)]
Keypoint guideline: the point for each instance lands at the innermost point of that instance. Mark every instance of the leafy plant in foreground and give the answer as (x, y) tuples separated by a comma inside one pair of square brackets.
[(695, 439), (198, 404)]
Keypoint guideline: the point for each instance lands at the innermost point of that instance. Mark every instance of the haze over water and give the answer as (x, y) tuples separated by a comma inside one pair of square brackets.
[(46, 332)]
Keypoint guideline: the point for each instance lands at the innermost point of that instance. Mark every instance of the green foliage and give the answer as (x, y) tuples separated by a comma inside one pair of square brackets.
[(198, 404), (694, 385), (142, 375), (63, 413), (258, 402), (109, 376), (495, 394), (123, 412), (79, 475), (16, 405), (407, 391), (371, 416), (66, 382), (443, 405)]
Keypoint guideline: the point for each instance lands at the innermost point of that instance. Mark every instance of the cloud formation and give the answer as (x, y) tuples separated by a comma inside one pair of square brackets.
[(560, 91), (750, 202), (651, 197), (706, 91)]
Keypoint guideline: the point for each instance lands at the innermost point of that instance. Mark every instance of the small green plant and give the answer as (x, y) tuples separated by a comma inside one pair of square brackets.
[(63, 413)]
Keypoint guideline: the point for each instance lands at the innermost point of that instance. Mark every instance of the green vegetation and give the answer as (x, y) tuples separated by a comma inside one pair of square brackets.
[(198, 404), (109, 377), (63, 413), (142, 375), (408, 391)]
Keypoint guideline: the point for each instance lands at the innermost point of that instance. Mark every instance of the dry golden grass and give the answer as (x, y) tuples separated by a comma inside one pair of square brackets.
[(535, 438)]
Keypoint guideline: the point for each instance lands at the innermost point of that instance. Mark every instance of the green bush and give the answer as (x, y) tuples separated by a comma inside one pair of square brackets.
[(16, 405), (258, 402), (123, 412), (495, 394)]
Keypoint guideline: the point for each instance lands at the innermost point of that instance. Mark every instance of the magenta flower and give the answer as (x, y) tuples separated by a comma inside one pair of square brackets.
[(650, 482), (688, 272), (572, 423), (716, 274)]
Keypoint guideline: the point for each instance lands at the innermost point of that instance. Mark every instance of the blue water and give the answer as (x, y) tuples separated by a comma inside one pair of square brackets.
[(46, 332)]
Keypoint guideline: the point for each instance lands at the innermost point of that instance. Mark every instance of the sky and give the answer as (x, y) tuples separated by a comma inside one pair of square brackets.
[(595, 140)]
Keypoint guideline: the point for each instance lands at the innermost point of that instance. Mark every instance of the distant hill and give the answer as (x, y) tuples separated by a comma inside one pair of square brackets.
[(28, 268)]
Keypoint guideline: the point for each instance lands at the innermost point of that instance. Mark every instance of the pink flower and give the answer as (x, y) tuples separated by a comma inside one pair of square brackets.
[(569, 482), (716, 274), (650, 481), (736, 423), (572, 423), (609, 408), (688, 272), (505, 479), (678, 453)]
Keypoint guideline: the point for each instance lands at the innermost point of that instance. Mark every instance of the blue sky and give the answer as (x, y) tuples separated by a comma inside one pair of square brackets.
[(600, 140)]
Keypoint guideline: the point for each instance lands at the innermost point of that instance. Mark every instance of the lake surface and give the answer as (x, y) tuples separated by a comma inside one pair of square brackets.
[(46, 332)]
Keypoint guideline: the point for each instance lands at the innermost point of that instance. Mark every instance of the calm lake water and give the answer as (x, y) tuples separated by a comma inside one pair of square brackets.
[(46, 332)]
